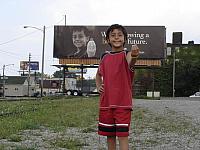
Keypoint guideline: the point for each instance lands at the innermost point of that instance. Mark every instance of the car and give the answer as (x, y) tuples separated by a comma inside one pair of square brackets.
[(197, 94)]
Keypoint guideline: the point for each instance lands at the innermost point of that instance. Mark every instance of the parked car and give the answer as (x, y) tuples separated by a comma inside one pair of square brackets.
[(197, 94)]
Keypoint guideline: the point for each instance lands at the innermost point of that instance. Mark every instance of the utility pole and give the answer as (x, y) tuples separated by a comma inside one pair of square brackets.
[(174, 69), (43, 47), (3, 81), (29, 70), (65, 20)]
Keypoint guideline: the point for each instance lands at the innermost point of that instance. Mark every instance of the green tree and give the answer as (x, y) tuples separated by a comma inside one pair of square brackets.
[(187, 74), (188, 71), (163, 77), (58, 74)]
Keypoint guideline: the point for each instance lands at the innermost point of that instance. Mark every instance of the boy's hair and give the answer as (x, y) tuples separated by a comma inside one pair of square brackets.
[(81, 28), (119, 27)]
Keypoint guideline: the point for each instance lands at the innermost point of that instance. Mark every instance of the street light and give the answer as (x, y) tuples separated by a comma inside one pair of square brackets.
[(4, 66), (42, 72), (176, 49)]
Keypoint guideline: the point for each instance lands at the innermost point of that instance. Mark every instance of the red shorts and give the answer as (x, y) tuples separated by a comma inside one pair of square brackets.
[(114, 122)]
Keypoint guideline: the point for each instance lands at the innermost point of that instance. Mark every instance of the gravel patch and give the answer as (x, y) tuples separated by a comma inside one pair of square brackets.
[(183, 106)]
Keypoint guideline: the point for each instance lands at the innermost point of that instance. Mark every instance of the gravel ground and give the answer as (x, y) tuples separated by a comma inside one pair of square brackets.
[(186, 106), (147, 139)]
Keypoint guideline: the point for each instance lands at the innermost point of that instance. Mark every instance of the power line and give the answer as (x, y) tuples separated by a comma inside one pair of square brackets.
[(56, 23), (18, 38), (11, 53), (16, 55)]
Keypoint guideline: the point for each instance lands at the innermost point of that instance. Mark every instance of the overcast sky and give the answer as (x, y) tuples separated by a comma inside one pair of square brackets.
[(16, 42)]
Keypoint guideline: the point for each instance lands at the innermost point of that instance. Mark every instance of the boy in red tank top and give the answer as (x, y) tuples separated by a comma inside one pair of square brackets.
[(114, 83)]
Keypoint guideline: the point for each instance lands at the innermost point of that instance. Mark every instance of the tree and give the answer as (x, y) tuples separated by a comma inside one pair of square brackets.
[(58, 74), (163, 77), (188, 71), (187, 74)]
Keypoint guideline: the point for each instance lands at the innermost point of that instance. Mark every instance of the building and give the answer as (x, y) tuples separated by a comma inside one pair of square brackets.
[(17, 86)]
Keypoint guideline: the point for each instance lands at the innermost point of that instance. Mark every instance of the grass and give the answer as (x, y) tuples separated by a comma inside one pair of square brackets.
[(24, 148), (89, 129), (55, 114), (15, 138), (69, 143), (79, 112), (2, 147)]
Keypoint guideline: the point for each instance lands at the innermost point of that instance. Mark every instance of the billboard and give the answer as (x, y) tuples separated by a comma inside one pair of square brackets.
[(34, 65), (76, 70), (73, 41)]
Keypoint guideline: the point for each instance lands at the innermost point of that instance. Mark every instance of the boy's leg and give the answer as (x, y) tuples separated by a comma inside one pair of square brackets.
[(111, 140), (123, 118), (123, 143), (107, 127)]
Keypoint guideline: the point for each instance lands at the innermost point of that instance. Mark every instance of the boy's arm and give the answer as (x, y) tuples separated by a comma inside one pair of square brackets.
[(132, 56), (99, 83), (131, 60)]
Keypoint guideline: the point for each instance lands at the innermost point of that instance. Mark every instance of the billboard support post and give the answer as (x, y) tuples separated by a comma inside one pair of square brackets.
[(82, 78), (64, 80)]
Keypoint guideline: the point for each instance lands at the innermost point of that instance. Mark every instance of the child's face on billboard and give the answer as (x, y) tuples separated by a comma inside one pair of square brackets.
[(79, 39)]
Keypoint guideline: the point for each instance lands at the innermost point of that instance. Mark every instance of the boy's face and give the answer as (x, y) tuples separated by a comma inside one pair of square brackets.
[(79, 39), (116, 39)]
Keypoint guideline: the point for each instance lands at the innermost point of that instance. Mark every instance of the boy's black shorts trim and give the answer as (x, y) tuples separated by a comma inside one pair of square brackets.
[(122, 129), (106, 129), (113, 129)]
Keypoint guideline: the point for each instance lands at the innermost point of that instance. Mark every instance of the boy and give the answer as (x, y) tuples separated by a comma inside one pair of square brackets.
[(114, 83), (80, 38)]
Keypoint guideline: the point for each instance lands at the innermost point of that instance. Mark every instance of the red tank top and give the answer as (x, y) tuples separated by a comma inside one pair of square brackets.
[(117, 80)]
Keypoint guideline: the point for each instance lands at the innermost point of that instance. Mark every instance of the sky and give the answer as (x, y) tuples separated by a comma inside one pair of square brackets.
[(16, 42)]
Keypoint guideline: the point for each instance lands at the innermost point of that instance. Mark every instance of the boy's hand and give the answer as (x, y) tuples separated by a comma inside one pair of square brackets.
[(100, 89), (134, 51)]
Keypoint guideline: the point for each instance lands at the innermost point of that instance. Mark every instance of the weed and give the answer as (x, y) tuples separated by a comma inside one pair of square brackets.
[(69, 143), (15, 138)]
